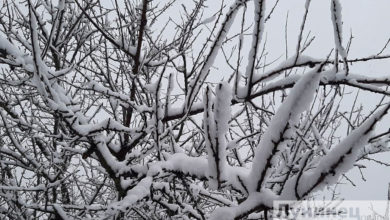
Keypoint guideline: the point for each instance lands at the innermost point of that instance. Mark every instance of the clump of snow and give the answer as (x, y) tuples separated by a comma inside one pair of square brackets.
[(138, 192), (6, 48), (196, 166)]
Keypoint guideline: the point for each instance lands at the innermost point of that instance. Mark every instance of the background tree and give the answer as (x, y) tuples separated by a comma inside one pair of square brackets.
[(118, 111)]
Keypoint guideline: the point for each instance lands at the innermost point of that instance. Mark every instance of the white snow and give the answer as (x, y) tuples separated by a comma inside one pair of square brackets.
[(297, 101), (138, 192), (337, 27), (256, 39), (255, 199), (286, 64), (9, 48), (216, 124), (341, 157), (196, 82)]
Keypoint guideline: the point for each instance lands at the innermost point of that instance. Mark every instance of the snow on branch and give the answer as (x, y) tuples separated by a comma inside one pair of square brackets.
[(216, 119), (258, 201), (259, 11), (102, 115), (338, 32), (281, 126), (7, 49), (340, 159), (138, 192), (199, 79)]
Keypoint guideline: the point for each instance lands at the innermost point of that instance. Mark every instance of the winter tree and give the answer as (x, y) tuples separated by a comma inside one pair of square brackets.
[(152, 109)]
